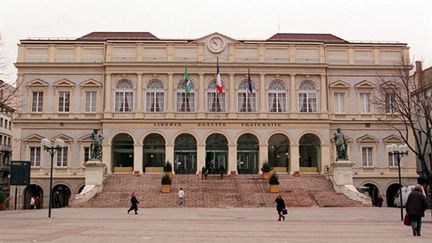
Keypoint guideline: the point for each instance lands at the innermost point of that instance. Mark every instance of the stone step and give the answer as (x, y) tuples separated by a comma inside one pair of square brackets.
[(231, 191)]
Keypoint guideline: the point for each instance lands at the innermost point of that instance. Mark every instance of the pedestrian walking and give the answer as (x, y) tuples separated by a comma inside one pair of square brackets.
[(181, 196), (221, 170), (134, 204), (416, 205), (203, 173), (37, 202), (32, 202), (57, 203), (280, 207)]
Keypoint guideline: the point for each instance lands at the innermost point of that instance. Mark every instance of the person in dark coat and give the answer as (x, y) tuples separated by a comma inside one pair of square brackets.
[(134, 204), (280, 205), (416, 205)]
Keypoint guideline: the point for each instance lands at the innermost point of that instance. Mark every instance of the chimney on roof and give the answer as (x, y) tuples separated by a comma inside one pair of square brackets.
[(419, 76)]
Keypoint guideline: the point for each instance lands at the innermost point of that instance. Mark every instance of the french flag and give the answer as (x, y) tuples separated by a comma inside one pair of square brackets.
[(219, 88)]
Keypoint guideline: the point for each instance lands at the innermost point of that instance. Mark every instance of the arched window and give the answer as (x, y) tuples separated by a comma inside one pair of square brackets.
[(155, 96), (215, 101), (185, 98), (246, 102), (307, 97), (124, 96), (277, 97)]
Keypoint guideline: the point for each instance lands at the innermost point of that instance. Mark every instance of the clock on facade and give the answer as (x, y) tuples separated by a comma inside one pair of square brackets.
[(216, 44)]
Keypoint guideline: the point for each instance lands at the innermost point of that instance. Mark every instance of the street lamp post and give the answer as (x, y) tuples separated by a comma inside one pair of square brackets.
[(398, 151), (51, 148)]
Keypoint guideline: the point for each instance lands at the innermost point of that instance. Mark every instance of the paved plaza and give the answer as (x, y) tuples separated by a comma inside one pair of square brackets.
[(363, 224)]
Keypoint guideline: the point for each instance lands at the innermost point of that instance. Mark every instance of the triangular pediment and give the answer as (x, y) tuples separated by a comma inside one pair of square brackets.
[(37, 83), (90, 83), (204, 38), (34, 138), (63, 137), (85, 138), (64, 83), (389, 85), (365, 85), (393, 139), (367, 139), (339, 85)]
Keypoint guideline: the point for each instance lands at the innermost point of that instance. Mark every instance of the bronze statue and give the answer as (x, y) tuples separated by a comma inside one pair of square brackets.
[(341, 146), (96, 145)]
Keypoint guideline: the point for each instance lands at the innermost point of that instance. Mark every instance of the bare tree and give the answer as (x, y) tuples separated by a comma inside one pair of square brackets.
[(8, 90), (406, 98)]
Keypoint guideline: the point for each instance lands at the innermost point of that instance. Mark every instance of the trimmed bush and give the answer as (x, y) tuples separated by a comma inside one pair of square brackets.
[(167, 167), (273, 180), (266, 167), (166, 180)]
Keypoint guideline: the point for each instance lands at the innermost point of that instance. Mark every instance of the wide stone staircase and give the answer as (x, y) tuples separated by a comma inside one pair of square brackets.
[(231, 191)]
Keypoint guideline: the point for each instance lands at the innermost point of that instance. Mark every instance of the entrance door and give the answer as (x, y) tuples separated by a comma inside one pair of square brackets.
[(216, 158), (185, 162), (247, 162)]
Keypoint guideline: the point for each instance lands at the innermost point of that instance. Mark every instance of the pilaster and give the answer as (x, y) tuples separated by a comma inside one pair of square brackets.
[(232, 159), (294, 158), (138, 158)]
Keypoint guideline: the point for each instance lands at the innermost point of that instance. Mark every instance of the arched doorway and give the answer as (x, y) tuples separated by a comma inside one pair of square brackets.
[(310, 153), (278, 151), (122, 153), (185, 154), (153, 151), (32, 191), (61, 195), (373, 193), (216, 152), (247, 154), (391, 193)]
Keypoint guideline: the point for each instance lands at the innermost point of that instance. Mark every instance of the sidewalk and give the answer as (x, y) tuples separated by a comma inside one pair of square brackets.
[(336, 225)]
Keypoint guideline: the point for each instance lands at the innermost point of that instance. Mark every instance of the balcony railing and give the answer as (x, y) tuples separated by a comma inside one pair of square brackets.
[(5, 148)]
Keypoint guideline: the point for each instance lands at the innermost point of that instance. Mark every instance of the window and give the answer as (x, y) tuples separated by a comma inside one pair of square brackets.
[(155, 96), (365, 102), (246, 102), (64, 98), (277, 97), (185, 100), (307, 97), (124, 96), (390, 103), (367, 156), (90, 101), (62, 157), (392, 158), (215, 101), (86, 154), (37, 101), (339, 102), (35, 156)]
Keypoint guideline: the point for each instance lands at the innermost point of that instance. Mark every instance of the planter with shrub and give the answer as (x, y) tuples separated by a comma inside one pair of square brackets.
[(274, 183), (168, 169), (266, 170), (166, 183)]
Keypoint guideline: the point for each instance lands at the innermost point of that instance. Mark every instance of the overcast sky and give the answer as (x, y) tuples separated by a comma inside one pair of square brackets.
[(407, 21)]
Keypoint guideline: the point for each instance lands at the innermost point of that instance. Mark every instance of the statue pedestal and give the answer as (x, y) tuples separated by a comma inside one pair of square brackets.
[(94, 172), (342, 172)]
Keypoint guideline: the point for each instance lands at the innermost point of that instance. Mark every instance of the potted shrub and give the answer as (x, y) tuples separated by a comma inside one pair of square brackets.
[(274, 183), (266, 168), (168, 169), (3, 199), (166, 183)]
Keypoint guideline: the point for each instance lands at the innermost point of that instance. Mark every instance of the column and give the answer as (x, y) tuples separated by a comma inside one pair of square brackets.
[(200, 157), (232, 159), (106, 157), (325, 157), (294, 158), (200, 95), (108, 90), (262, 99), (169, 154), (231, 99), (138, 158), (263, 155), (170, 96), (323, 100), (139, 94), (293, 95)]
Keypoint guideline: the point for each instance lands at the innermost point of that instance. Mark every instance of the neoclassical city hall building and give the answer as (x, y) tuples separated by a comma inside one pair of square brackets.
[(283, 99)]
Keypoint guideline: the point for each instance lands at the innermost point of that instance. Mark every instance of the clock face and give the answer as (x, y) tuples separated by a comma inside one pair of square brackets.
[(216, 44)]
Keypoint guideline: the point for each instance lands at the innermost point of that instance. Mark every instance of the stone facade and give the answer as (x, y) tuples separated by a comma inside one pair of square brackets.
[(283, 99)]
